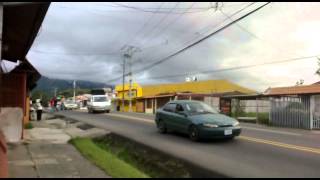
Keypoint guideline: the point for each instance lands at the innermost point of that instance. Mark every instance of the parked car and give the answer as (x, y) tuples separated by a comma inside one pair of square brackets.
[(70, 105), (99, 103), (197, 119)]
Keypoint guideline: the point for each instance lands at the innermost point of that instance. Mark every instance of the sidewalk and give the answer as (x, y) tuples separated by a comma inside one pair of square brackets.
[(45, 152)]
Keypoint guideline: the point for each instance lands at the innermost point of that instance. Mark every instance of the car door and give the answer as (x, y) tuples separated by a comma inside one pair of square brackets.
[(179, 119), (167, 115)]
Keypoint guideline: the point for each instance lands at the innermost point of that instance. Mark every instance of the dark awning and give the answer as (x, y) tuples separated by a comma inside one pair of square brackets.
[(21, 23), (32, 74)]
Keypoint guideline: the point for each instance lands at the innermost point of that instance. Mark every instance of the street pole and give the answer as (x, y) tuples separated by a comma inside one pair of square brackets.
[(130, 85), (128, 52), (123, 79), (74, 91)]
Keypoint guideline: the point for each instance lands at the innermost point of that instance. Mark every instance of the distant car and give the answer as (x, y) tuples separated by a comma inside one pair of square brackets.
[(99, 103), (197, 119), (70, 105)]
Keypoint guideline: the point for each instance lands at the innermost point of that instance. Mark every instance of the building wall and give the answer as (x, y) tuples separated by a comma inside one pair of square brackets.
[(213, 102), (14, 93), (3, 157), (120, 93), (204, 87), (135, 87), (251, 105)]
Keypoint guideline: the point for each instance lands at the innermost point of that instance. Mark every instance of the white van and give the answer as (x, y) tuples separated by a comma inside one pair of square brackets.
[(100, 103)]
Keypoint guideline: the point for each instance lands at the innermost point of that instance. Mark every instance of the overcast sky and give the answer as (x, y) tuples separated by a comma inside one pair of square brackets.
[(83, 41)]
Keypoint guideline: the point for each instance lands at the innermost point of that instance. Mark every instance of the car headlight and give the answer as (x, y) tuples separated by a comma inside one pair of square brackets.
[(236, 124), (210, 125)]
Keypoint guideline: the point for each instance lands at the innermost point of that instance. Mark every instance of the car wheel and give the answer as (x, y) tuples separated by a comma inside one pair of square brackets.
[(162, 127), (107, 111), (194, 133)]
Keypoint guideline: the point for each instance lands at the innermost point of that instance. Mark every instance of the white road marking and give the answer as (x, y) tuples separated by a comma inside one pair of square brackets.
[(244, 127), (271, 131), (130, 117)]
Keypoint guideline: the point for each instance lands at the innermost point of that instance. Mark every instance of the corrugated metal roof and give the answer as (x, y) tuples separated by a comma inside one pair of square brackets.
[(294, 90), (205, 87)]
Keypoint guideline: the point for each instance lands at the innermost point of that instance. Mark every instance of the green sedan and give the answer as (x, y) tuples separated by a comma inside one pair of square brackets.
[(197, 119)]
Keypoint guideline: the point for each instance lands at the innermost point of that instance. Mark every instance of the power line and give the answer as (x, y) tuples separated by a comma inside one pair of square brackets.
[(161, 20), (281, 50), (142, 27), (216, 25), (167, 40), (150, 11), (239, 26), (174, 20), (232, 68), (119, 5), (207, 29), (195, 43), (75, 54)]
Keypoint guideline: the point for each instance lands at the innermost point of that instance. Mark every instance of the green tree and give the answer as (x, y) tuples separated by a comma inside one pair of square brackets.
[(38, 94)]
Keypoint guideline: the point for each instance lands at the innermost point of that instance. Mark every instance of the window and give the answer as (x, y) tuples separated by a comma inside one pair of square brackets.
[(199, 107), (149, 103), (170, 107), (179, 108)]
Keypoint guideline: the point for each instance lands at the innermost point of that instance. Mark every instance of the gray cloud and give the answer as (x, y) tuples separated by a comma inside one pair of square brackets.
[(82, 41)]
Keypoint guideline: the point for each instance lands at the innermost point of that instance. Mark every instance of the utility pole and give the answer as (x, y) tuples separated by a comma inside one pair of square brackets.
[(74, 91), (123, 79), (129, 50), (55, 92)]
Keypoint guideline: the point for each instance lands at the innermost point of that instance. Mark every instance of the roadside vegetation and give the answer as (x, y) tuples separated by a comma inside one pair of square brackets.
[(28, 125), (263, 118), (107, 161), (119, 157)]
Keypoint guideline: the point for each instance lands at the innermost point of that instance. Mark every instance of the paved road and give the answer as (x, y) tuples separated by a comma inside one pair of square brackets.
[(259, 152)]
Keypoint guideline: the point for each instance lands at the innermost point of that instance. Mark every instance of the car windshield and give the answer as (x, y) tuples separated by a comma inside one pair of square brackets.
[(199, 107), (100, 99)]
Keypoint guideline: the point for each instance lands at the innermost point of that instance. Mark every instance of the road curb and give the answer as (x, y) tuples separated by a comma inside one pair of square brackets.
[(197, 170)]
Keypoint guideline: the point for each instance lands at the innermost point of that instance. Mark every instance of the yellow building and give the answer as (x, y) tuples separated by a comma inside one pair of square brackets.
[(145, 93), (136, 91)]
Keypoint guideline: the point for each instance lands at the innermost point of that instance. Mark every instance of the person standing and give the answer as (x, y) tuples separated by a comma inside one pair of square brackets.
[(55, 103), (52, 105), (38, 109), (62, 103)]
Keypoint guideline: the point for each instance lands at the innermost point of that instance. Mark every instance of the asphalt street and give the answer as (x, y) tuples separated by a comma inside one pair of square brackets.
[(260, 151)]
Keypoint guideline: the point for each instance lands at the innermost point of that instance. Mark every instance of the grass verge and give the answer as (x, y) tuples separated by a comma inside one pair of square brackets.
[(149, 161), (107, 161)]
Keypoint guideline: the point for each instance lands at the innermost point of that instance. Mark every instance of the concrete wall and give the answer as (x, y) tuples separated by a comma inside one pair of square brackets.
[(11, 123), (213, 102), (3, 157)]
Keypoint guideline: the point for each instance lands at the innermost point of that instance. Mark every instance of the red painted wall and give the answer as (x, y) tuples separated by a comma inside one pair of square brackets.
[(13, 94)]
